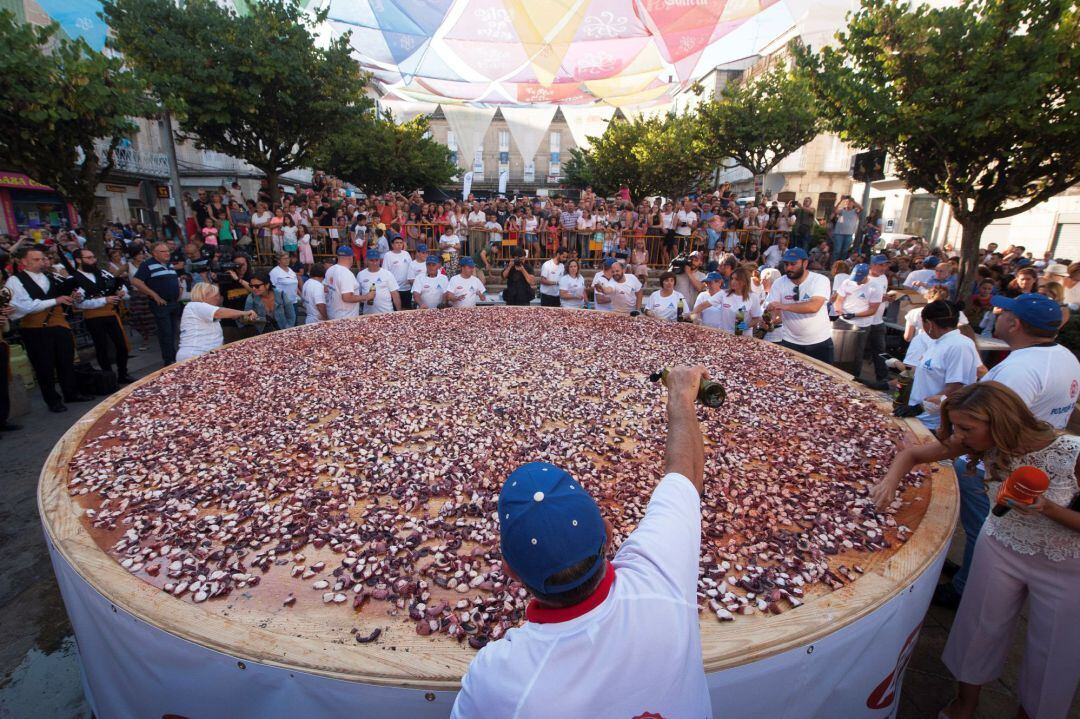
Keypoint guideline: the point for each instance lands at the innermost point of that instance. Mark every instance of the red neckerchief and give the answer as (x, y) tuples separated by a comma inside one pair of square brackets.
[(542, 615)]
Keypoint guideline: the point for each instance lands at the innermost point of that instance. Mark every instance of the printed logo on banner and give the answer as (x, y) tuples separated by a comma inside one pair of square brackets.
[(885, 693)]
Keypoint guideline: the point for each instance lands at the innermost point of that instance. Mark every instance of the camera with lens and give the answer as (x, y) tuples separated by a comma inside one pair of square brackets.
[(679, 264)]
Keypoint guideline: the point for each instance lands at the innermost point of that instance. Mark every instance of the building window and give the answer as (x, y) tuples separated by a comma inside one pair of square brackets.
[(920, 215), (504, 149), (825, 204)]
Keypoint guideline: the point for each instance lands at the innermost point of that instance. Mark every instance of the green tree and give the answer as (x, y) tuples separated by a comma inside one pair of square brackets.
[(761, 121), (256, 86), (577, 172), (978, 104), (650, 155), (64, 109), (375, 153)]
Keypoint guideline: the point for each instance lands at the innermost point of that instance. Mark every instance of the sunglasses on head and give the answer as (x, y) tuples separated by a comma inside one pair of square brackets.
[(257, 285)]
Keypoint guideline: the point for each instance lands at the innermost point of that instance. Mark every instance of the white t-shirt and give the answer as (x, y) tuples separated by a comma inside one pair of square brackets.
[(723, 310), (551, 271), (949, 359), (882, 283), (858, 298), (771, 256), (602, 280), (918, 276), (398, 264), (914, 319), (687, 216), (430, 291), (638, 653), (314, 294), (340, 280), (199, 331), (416, 269), (666, 308), (285, 279), (384, 283), (624, 294), (1046, 378), (472, 288), (477, 218), (576, 287), (799, 328)]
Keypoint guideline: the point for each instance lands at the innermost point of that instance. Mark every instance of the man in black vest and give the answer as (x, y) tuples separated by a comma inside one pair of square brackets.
[(39, 298), (101, 296)]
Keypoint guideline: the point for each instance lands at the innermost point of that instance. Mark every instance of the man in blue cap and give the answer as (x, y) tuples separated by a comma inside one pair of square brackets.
[(875, 341), (1046, 376), (616, 638), (918, 279), (465, 289), (799, 299), (429, 290), (418, 266), (343, 296), (380, 288)]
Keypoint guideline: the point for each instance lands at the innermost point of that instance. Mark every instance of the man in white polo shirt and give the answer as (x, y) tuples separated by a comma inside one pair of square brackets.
[(379, 286), (1046, 376), (430, 288), (618, 639), (919, 279), (799, 298), (466, 289), (601, 286), (875, 342), (342, 291), (398, 262), (624, 290), (550, 274)]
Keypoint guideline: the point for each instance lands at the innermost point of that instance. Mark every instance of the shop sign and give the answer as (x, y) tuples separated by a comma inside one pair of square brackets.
[(116, 188), (163, 192), (15, 181)]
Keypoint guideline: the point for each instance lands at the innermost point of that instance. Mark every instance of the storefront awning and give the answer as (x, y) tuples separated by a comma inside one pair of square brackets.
[(15, 181)]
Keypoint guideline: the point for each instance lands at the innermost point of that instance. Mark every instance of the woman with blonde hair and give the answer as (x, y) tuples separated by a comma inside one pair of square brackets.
[(200, 325), (1031, 552), (1056, 292)]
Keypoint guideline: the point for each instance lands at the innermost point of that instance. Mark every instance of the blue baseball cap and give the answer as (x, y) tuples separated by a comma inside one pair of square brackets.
[(468, 262), (931, 262), (714, 277), (432, 260), (794, 254), (860, 272), (344, 251), (373, 255), (1037, 310), (548, 523), (421, 247), (1023, 262), (879, 260), (609, 261)]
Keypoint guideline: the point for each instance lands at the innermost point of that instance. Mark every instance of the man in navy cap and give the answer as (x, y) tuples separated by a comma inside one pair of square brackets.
[(799, 297), (918, 279), (616, 638), (343, 296), (429, 290), (466, 289), (875, 341), (378, 285), (418, 266), (1045, 375)]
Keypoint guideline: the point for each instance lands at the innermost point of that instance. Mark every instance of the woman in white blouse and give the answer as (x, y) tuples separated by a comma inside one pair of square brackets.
[(200, 325), (572, 286)]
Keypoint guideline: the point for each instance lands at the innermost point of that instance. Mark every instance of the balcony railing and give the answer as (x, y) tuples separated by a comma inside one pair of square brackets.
[(138, 162)]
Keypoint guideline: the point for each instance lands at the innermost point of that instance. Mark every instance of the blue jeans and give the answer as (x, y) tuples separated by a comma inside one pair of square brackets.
[(974, 508), (167, 319), (841, 245), (822, 351)]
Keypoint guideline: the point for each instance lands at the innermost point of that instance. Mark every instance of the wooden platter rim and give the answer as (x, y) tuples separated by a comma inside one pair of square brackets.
[(723, 645)]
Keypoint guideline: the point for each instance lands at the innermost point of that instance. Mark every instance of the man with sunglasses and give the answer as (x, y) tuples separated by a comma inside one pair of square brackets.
[(799, 297)]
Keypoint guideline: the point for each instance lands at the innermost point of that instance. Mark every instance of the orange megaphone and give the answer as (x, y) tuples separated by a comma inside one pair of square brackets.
[(1025, 485)]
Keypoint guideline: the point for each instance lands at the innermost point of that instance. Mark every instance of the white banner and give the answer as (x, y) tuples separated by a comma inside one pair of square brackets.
[(466, 186), (504, 177), (132, 670)]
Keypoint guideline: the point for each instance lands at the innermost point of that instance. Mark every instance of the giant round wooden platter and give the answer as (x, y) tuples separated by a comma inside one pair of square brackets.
[(318, 638)]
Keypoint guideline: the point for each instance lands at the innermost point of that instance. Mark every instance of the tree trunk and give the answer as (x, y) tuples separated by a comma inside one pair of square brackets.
[(272, 186), (970, 257), (92, 225)]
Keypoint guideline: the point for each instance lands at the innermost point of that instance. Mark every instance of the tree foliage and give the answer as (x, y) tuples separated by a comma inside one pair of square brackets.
[(650, 155), (64, 109), (978, 104), (259, 87), (760, 121), (375, 153), (577, 172)]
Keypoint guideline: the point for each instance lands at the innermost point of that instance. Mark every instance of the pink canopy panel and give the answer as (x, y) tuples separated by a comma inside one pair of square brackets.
[(536, 52)]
